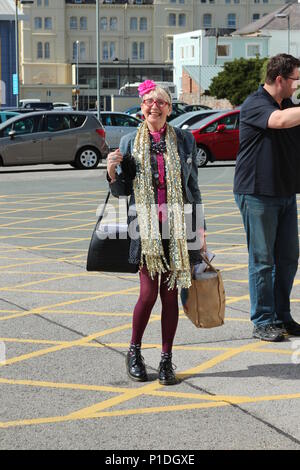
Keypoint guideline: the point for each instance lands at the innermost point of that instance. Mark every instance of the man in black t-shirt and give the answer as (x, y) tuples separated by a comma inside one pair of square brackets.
[(265, 185)]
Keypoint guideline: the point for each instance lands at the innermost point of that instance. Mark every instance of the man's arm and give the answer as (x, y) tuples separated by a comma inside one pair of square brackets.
[(284, 119)]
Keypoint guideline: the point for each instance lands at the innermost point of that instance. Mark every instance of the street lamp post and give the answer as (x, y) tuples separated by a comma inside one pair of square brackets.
[(287, 16), (17, 2), (200, 63), (98, 56), (77, 75)]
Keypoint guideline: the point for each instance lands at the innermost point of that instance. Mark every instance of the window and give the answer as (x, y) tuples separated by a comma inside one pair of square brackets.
[(172, 19), (73, 22), (46, 3), (108, 50), (48, 23), (143, 24), (223, 50), (57, 122), (207, 20), (182, 52), (124, 121), (181, 1), (134, 51), (113, 23), (255, 16), (182, 19), (231, 20), (112, 50), (142, 50), (83, 23), (236, 1), (103, 23), (39, 50), (265, 1), (133, 24), (77, 120), (105, 50), (37, 23), (39, 3), (74, 55), (253, 50), (47, 50), (192, 51), (24, 126), (172, 1), (171, 50), (227, 1), (256, 1), (82, 51), (231, 122)]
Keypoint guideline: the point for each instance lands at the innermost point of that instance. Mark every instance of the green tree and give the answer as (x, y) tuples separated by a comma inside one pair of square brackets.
[(237, 80)]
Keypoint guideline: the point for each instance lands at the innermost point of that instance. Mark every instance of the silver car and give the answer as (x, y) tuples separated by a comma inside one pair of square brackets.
[(53, 137), (116, 125)]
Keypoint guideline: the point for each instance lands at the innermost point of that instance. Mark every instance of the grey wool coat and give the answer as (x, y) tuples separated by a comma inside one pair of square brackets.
[(187, 150)]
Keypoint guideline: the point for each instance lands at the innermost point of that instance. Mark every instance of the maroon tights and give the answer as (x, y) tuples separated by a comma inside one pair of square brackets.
[(145, 303)]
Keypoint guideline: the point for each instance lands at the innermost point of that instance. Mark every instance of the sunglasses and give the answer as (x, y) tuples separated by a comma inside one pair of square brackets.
[(150, 102)]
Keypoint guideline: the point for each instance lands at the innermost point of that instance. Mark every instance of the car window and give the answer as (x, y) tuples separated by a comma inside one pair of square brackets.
[(196, 119), (58, 122), (106, 120), (231, 121), (77, 120), (125, 121)]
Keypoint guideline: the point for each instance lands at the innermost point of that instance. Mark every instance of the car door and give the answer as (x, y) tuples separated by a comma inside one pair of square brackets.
[(24, 147), (111, 135), (60, 142), (226, 142), (123, 125)]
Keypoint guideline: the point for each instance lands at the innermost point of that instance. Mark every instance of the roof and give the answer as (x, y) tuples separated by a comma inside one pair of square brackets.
[(208, 72), (8, 10), (271, 22)]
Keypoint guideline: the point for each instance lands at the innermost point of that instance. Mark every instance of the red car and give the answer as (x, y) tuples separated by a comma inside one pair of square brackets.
[(217, 137)]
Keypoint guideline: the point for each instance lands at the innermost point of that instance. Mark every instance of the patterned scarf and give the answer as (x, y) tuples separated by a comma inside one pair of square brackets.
[(151, 242)]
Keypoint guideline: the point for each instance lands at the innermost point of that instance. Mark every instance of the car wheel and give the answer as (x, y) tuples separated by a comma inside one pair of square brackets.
[(202, 156), (87, 158)]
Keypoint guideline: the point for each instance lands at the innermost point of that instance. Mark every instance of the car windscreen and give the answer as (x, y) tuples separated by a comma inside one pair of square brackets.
[(205, 121)]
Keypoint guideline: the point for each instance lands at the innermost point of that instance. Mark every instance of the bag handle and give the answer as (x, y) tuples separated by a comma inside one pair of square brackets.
[(208, 264), (105, 204)]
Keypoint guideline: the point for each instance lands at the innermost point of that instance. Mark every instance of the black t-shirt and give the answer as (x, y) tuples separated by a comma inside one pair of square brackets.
[(268, 160)]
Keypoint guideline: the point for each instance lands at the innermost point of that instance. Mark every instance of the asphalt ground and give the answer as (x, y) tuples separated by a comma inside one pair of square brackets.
[(65, 334)]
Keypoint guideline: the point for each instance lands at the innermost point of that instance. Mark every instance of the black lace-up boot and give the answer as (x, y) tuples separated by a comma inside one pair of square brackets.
[(135, 365), (166, 374)]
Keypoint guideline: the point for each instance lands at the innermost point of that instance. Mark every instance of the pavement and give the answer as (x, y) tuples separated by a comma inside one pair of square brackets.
[(64, 334)]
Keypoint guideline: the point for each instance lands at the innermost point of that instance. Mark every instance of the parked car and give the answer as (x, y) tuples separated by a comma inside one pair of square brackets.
[(195, 107), (218, 137), (185, 120), (53, 137), (62, 107), (5, 115), (133, 110), (116, 125)]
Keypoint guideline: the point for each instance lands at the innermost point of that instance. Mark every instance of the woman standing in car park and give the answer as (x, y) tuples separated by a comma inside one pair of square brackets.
[(158, 166)]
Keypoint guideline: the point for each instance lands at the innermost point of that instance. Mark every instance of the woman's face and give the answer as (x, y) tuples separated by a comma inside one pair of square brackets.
[(156, 108)]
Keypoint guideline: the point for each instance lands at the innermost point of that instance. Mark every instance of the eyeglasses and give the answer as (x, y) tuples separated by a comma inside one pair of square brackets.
[(293, 78), (150, 102)]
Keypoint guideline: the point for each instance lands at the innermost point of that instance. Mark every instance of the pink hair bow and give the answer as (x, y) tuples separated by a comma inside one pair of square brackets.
[(146, 87)]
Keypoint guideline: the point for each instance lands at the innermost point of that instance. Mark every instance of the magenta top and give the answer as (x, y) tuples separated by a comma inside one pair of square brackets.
[(161, 191)]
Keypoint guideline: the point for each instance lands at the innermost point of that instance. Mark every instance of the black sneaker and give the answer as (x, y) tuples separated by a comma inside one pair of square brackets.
[(268, 333), (166, 374), (135, 365), (291, 328)]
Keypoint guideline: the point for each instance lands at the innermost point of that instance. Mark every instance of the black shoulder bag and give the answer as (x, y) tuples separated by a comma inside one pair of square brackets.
[(109, 247)]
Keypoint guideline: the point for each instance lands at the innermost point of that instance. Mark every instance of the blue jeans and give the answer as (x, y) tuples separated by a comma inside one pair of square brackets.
[(271, 226)]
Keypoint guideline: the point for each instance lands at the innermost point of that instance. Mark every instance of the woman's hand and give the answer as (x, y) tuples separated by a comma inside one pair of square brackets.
[(203, 245), (113, 160)]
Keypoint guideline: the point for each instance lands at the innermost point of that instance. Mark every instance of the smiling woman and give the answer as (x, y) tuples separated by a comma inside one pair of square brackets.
[(164, 159)]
